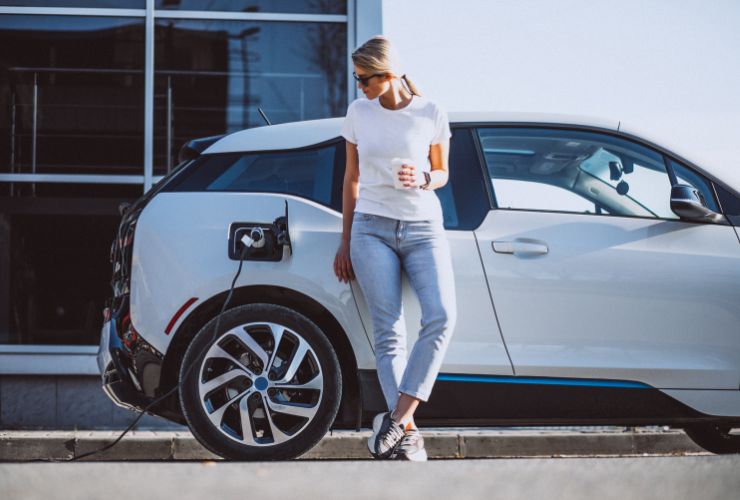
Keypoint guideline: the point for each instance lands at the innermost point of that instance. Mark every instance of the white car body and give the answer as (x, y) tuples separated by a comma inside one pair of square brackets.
[(650, 302)]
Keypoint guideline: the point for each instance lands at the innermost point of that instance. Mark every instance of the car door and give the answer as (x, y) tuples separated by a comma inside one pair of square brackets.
[(476, 346), (593, 276)]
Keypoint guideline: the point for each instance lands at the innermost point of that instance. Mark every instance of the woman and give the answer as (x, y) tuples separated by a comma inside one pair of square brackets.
[(393, 221)]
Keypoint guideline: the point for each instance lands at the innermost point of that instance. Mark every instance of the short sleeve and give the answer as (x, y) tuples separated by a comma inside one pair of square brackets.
[(441, 126), (348, 125)]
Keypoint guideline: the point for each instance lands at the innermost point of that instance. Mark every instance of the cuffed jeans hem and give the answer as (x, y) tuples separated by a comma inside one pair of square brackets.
[(414, 394)]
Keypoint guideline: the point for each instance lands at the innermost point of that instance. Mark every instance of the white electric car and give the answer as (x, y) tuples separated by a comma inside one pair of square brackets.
[(597, 276)]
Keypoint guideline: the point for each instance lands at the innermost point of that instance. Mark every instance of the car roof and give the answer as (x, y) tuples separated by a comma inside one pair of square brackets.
[(309, 132), (294, 135)]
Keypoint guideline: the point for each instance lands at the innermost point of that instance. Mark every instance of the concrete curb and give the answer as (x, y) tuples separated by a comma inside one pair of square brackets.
[(19, 446)]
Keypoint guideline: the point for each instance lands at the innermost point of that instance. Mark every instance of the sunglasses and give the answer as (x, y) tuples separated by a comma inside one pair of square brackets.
[(365, 80)]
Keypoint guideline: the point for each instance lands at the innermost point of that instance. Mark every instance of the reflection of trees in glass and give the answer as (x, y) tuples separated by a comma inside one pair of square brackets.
[(326, 48)]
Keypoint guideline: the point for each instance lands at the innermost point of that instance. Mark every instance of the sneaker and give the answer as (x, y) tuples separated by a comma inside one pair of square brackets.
[(387, 435), (411, 447)]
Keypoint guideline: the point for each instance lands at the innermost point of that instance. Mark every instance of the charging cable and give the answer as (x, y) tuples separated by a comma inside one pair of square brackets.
[(255, 239)]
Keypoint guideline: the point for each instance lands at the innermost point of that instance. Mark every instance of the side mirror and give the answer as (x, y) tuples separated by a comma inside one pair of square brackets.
[(688, 203)]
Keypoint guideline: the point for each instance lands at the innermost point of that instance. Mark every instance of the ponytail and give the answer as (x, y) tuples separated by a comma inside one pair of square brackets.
[(410, 85)]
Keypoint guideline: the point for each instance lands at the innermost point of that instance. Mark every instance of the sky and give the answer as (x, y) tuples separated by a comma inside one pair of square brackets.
[(666, 69)]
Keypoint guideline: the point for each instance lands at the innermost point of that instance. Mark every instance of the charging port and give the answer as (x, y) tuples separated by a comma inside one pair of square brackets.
[(268, 239), (265, 247)]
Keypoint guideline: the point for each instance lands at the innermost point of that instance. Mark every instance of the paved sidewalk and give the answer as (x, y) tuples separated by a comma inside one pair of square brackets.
[(440, 443), (704, 477)]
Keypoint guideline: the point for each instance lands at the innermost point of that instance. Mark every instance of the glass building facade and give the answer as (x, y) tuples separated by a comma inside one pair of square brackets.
[(96, 99)]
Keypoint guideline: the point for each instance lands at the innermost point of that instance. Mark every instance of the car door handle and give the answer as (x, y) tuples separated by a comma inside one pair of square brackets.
[(524, 246)]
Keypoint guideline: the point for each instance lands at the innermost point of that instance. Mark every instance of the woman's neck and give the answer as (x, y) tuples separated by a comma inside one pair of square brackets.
[(395, 98)]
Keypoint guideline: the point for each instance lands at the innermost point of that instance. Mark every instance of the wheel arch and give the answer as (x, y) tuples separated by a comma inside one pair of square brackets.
[(349, 409)]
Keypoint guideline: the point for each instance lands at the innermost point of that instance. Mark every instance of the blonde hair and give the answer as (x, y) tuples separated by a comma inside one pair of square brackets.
[(377, 55)]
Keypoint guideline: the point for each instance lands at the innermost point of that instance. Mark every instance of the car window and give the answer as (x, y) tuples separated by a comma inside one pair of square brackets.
[(309, 173), (464, 199), (318, 174), (513, 193), (530, 168)]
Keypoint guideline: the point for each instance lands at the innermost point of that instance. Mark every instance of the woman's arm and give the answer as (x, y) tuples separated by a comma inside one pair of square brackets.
[(439, 158), (350, 190)]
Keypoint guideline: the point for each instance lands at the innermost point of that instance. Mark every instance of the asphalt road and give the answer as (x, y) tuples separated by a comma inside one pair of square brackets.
[(688, 477)]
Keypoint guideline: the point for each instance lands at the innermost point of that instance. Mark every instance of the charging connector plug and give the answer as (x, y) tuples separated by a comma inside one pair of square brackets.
[(254, 238)]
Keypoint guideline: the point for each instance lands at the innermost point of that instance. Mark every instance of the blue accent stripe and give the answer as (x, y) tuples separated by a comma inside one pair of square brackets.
[(502, 379)]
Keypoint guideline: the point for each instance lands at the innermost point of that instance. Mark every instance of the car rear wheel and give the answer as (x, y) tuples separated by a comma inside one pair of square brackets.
[(267, 386), (717, 438)]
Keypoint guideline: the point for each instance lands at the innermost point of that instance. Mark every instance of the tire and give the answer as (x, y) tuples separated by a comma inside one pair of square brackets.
[(268, 387), (715, 438)]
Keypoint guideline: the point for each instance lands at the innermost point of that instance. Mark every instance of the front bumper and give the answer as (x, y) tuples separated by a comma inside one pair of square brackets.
[(130, 375), (118, 380)]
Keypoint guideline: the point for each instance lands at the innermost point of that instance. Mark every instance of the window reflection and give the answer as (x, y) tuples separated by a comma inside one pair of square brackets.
[(54, 268), (71, 101), (278, 6), (104, 4), (512, 193), (644, 183), (211, 76)]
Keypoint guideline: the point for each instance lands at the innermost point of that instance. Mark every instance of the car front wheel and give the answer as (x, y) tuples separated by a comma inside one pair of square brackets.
[(717, 438), (267, 386)]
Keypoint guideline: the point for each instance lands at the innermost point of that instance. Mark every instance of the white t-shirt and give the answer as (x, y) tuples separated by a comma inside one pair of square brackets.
[(382, 134)]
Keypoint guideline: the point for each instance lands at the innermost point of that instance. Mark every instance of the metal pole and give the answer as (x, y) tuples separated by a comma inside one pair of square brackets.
[(351, 42), (149, 96), (35, 127), (34, 121), (12, 130), (169, 123), (12, 137)]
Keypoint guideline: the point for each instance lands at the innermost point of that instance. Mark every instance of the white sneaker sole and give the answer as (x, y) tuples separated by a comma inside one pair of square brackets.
[(417, 456), (377, 422)]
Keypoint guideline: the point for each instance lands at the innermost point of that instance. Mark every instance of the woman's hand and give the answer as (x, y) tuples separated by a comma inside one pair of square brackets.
[(343, 263), (407, 175)]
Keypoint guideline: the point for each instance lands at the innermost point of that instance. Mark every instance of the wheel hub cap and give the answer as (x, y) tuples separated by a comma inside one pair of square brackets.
[(261, 384)]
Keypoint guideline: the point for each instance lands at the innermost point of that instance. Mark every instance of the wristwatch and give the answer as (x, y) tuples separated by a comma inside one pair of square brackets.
[(427, 180)]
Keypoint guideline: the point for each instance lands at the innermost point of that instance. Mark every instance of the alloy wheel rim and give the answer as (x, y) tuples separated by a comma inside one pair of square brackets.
[(260, 384)]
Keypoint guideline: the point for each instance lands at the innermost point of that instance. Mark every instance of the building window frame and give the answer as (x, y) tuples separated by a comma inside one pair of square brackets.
[(150, 14), (79, 359)]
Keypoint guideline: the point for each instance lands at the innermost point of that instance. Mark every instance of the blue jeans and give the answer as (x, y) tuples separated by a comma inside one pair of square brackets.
[(380, 248)]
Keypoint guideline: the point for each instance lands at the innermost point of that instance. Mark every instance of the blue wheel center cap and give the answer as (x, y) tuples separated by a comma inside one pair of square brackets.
[(261, 384)]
